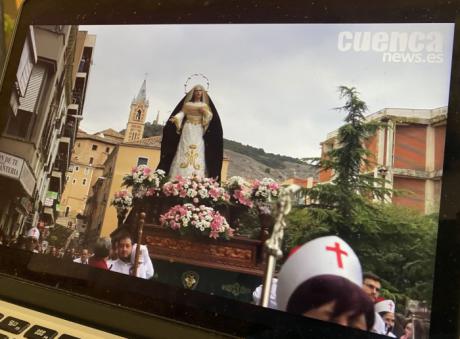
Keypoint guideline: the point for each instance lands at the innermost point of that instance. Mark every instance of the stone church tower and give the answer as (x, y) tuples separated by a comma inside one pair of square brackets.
[(137, 115)]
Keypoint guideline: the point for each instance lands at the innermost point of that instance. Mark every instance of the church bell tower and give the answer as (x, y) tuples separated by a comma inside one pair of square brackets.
[(137, 116)]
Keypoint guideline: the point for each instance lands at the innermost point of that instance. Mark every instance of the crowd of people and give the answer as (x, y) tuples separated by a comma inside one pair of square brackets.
[(321, 279), (117, 256)]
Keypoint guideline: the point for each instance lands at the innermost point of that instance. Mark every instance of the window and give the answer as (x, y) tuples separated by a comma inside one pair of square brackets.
[(107, 150), (26, 63), (21, 125), (84, 182), (36, 89), (138, 115), (91, 160), (94, 148), (142, 161), (81, 67), (67, 211), (74, 181), (77, 168), (87, 170)]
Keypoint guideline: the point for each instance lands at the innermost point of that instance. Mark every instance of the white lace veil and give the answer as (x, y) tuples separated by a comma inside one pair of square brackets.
[(189, 95)]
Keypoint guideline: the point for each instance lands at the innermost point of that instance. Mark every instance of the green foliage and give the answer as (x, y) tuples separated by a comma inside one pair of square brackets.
[(58, 236), (248, 223), (396, 243), (151, 130), (258, 154)]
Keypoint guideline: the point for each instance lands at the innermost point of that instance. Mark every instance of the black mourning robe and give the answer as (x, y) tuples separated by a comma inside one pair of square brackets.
[(213, 143)]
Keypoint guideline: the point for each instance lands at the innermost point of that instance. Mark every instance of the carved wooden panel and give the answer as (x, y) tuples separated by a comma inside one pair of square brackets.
[(238, 254)]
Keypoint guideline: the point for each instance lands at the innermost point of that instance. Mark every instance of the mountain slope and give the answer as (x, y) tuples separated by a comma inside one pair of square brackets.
[(254, 163)]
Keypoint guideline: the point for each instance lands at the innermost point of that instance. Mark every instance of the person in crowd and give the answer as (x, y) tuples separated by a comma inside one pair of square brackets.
[(371, 286), (31, 243), (69, 254), (322, 280), (53, 251), (101, 254), (33, 232), (257, 294), (398, 330), (386, 310), (126, 255), (408, 330), (83, 259)]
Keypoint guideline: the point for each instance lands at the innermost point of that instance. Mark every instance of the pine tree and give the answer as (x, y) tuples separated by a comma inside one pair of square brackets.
[(395, 242), (351, 187)]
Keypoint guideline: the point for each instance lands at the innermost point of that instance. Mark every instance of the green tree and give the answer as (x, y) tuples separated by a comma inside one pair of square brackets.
[(395, 243)]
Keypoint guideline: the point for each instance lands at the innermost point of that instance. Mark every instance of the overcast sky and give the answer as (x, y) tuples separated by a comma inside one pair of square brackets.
[(274, 86)]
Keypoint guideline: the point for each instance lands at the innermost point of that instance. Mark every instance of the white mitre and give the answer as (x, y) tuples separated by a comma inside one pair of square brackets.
[(33, 233), (322, 256), (385, 306)]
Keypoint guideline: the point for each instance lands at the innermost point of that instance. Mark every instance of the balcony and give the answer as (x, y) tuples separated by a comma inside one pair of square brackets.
[(63, 157), (56, 181)]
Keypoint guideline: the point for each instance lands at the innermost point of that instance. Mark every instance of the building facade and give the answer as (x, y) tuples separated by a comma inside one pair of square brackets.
[(101, 216), (41, 125), (408, 152), (87, 165)]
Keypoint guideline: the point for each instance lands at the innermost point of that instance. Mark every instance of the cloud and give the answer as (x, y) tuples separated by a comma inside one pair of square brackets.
[(275, 86)]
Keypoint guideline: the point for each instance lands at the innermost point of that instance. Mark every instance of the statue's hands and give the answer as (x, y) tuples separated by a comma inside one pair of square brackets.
[(175, 122), (201, 110)]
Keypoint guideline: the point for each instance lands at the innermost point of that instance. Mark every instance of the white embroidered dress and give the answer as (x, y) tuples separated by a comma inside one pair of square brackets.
[(189, 159)]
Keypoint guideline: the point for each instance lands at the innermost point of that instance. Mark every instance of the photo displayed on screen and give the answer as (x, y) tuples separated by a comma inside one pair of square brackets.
[(224, 134)]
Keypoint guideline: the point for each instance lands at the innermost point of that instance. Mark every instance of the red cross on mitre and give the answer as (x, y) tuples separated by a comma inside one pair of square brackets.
[(339, 252)]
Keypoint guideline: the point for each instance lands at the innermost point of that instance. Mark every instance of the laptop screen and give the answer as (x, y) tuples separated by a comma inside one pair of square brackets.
[(204, 128)]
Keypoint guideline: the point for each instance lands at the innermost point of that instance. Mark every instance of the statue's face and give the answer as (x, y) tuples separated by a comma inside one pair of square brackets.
[(197, 94)]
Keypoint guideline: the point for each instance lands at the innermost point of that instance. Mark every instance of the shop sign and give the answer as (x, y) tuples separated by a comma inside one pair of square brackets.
[(50, 198), (16, 168)]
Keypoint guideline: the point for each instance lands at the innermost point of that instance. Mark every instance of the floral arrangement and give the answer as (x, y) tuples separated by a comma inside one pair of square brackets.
[(145, 181), (240, 191), (202, 219), (265, 190), (122, 200), (196, 190)]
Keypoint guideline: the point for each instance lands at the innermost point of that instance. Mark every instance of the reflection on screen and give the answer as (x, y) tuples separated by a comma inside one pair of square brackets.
[(222, 134)]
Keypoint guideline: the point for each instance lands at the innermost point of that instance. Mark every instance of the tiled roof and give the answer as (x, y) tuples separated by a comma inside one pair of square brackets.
[(151, 141), (106, 139), (109, 132)]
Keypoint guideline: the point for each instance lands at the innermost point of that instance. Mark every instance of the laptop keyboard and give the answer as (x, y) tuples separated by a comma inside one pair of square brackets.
[(21, 322)]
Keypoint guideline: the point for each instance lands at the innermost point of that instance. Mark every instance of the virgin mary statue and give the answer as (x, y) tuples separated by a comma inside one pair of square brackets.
[(192, 142)]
